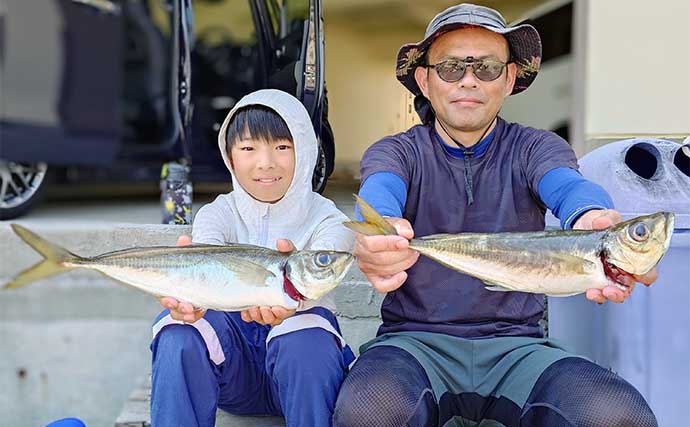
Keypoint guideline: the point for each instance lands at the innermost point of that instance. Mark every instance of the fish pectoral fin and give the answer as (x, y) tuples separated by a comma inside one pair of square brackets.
[(363, 228), (250, 272), (496, 288), (574, 263)]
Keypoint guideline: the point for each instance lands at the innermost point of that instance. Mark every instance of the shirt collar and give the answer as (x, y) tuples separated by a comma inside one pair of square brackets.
[(457, 152)]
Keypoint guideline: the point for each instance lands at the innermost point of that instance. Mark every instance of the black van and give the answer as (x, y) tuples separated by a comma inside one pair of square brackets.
[(109, 90)]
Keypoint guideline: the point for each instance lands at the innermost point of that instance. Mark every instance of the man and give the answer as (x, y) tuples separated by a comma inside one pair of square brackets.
[(450, 352)]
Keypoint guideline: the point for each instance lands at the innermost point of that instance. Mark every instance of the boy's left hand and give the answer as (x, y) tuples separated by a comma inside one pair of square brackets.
[(179, 310), (600, 219), (270, 315)]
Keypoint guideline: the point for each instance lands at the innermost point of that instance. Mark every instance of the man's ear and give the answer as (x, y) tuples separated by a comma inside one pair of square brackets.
[(421, 74), (511, 74)]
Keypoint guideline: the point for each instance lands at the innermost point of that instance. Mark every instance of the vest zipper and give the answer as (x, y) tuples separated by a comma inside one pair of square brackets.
[(468, 175), (263, 230)]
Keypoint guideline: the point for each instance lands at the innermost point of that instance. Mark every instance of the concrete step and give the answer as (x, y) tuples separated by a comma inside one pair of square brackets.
[(136, 413), (136, 410), (78, 342)]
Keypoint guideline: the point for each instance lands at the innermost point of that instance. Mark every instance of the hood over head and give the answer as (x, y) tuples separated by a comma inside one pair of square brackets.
[(305, 145)]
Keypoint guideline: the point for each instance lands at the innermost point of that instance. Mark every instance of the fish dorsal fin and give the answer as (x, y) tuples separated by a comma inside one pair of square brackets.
[(363, 228), (373, 225), (434, 236), (248, 271)]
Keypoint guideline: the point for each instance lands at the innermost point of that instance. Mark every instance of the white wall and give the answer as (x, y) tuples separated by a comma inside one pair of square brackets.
[(637, 68)]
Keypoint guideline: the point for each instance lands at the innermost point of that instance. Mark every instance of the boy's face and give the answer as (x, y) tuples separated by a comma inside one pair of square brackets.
[(264, 168)]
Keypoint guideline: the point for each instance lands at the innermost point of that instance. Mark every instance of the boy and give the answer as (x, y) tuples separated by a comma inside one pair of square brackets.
[(226, 360)]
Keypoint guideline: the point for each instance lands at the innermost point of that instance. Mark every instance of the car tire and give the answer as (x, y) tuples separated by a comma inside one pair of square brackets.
[(22, 186)]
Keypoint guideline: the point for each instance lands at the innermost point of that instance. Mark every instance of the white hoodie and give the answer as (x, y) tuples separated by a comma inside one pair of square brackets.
[(309, 220)]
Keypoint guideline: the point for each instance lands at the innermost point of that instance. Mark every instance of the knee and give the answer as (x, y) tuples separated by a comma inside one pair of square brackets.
[(177, 340), (594, 412), (641, 418), (578, 392), (347, 409), (374, 395), (312, 354), (621, 406), (614, 402), (354, 405), (371, 402)]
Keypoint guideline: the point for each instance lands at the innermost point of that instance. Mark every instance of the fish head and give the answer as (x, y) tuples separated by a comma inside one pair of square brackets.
[(637, 245), (315, 273)]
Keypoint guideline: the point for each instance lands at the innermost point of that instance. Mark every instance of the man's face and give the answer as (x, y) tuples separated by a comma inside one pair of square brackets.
[(263, 168), (469, 104)]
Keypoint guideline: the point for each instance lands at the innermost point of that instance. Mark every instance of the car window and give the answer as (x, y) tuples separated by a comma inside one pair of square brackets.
[(287, 15), (225, 51), (146, 57), (225, 62)]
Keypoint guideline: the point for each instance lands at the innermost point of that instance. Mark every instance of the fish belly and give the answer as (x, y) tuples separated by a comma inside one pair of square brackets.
[(204, 287), (526, 272)]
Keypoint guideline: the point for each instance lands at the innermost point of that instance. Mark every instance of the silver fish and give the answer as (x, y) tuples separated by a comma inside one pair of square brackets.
[(555, 263), (225, 278)]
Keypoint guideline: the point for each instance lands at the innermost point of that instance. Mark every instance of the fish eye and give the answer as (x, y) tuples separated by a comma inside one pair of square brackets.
[(322, 259), (639, 232)]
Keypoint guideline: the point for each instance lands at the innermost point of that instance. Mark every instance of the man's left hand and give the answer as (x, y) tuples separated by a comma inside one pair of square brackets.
[(600, 219)]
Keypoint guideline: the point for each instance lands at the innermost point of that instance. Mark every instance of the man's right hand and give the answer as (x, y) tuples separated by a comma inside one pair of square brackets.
[(384, 259), (182, 311)]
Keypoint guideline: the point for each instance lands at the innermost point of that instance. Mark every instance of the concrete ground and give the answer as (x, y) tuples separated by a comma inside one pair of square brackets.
[(77, 345), (109, 204)]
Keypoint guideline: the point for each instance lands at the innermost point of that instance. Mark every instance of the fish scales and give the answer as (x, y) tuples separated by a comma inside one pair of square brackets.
[(228, 278), (556, 263)]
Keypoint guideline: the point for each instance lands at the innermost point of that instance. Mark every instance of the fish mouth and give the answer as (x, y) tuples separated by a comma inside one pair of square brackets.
[(615, 275), (290, 289)]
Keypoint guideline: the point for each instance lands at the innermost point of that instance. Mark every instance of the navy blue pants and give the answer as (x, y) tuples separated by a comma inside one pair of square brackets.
[(223, 362)]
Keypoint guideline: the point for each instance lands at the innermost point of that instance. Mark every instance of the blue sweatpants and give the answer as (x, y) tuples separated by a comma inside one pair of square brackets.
[(223, 362)]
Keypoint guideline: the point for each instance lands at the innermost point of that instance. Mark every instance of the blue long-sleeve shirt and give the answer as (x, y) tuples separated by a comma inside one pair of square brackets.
[(503, 186), (563, 190)]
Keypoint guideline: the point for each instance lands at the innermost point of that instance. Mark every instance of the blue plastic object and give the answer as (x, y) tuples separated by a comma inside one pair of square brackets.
[(67, 422), (646, 340)]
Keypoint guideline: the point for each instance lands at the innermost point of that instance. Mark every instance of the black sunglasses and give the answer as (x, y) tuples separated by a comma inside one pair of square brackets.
[(452, 70)]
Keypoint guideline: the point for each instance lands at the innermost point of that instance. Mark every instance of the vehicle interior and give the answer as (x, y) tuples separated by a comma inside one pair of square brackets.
[(259, 45), (238, 46), (124, 111)]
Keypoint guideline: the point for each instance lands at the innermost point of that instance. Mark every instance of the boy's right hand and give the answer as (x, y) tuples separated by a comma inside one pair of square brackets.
[(182, 311), (384, 259)]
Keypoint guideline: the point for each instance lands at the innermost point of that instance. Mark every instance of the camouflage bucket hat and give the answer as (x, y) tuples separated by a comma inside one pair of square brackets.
[(524, 42)]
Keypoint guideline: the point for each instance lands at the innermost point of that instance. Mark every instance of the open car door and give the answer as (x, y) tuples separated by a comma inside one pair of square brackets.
[(291, 56), (89, 83)]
